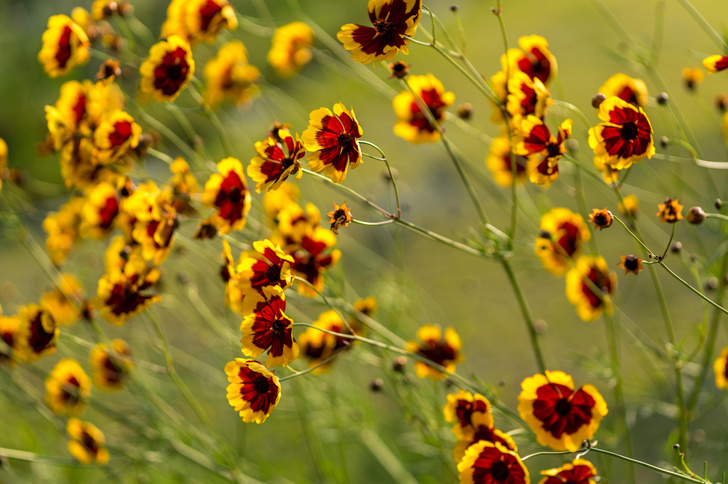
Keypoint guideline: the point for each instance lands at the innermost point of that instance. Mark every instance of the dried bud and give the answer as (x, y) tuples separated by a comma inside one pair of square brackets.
[(662, 98), (376, 385), (676, 247), (205, 231), (721, 101), (718, 203), (711, 284), (399, 364), (695, 216), (454, 8), (465, 111), (109, 69), (398, 70), (664, 141), (598, 100)]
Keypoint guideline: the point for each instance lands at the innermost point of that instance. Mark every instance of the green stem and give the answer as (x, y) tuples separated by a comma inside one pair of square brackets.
[(715, 36), (389, 169), (350, 191)]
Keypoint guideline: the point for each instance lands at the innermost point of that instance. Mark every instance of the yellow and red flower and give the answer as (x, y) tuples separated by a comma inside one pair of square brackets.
[(153, 220), (601, 219), (480, 433), (533, 59), (227, 192), (332, 140), (319, 346), (68, 388), (254, 391), (534, 140), (87, 443), (577, 472), (339, 217), (290, 48), (630, 263), (720, 367), (563, 233), (499, 162), (38, 333), (267, 327), (100, 211), (267, 266), (626, 88), (65, 45), (670, 211), (278, 157), (560, 416), (198, 20), (589, 287), (526, 96), (167, 70), (467, 410), (63, 302), (715, 63), (444, 352), (115, 136), (110, 368), (121, 292), (313, 258), (413, 124), (10, 335), (625, 136), (392, 21), (489, 463), (230, 76), (183, 185)]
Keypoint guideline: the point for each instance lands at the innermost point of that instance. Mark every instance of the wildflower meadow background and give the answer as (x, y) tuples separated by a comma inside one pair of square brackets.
[(250, 241)]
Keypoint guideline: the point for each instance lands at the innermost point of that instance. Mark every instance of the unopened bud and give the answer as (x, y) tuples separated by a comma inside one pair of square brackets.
[(662, 98), (465, 111), (695, 216), (598, 100)]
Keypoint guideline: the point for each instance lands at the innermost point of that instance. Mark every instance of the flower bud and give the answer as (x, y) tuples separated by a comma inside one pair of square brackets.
[(695, 216)]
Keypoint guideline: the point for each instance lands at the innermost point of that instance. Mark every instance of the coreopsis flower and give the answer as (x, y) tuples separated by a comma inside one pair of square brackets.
[(629, 206), (533, 59), (626, 88), (609, 173), (290, 48), (339, 217), (227, 192), (692, 78), (198, 20), (479, 433), (715, 63), (313, 258), (3, 160), (63, 229), (183, 185), (625, 136), (10, 336), (64, 300), (332, 140), (65, 46), (254, 391), (38, 333), (266, 266), (154, 220), (412, 123), (87, 443), (589, 287), (563, 233), (499, 162), (392, 20), (122, 292), (431, 345), (579, 471), (115, 136), (234, 293), (110, 369), (68, 388), (526, 96), (100, 211), (500, 89), (294, 223), (167, 70), (720, 367), (229, 76), (670, 211), (467, 410), (267, 327), (534, 140), (561, 417), (489, 463), (601, 219), (275, 201), (630, 263), (278, 157)]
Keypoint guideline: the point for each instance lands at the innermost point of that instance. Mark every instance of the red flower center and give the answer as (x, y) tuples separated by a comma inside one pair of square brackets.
[(172, 72), (261, 384), (273, 274), (89, 443), (561, 410), (121, 133), (629, 131), (70, 394), (39, 338), (207, 13), (499, 471), (64, 47)]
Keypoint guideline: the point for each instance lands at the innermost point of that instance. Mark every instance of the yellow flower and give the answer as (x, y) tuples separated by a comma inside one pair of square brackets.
[(533, 59), (720, 367), (487, 460), (670, 211), (3, 160), (110, 369), (198, 20), (100, 211), (499, 162), (291, 48), (122, 293), (65, 45), (266, 266), (87, 442), (115, 136), (589, 287), (563, 233), (38, 333), (577, 472), (629, 206), (63, 302), (431, 345), (319, 346), (412, 124), (692, 78), (629, 89), (68, 388), (10, 336), (267, 327), (278, 157), (62, 228), (228, 193), (230, 76), (167, 70), (254, 391), (467, 411)]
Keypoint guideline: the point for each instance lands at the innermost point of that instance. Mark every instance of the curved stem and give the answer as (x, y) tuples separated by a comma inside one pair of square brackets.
[(389, 169)]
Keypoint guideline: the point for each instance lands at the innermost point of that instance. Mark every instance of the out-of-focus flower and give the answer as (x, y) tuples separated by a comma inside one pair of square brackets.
[(254, 391), (10, 335), (267, 327), (319, 346), (560, 416), (65, 45), (3, 160), (715, 63), (183, 185), (563, 233), (692, 78), (499, 162), (63, 228), (332, 140), (626, 88), (533, 59), (630, 263), (489, 463), (68, 388), (526, 96), (198, 20), (629, 206), (589, 287), (579, 471), (115, 136), (64, 300), (122, 292), (87, 443), (167, 70), (432, 346), (313, 258), (227, 192), (339, 217), (720, 367), (392, 21), (277, 158), (111, 368), (291, 48), (601, 219), (230, 76), (413, 124), (100, 211), (670, 211), (624, 137), (38, 333)]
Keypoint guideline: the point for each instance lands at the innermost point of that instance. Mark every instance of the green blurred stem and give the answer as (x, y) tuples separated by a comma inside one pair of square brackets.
[(386, 457), (389, 169), (303, 281), (212, 116), (373, 224), (350, 191), (715, 36)]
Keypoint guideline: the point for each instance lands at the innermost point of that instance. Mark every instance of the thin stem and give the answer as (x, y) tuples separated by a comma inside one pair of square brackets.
[(715, 36), (212, 116), (389, 169), (440, 238), (350, 191), (301, 280), (372, 224)]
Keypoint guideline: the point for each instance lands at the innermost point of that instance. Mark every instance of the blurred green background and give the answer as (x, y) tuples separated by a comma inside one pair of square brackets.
[(332, 427)]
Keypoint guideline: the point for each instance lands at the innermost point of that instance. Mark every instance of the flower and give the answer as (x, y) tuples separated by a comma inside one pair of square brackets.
[(198, 20), (340, 217), (87, 442), (267, 266), (720, 367), (563, 233), (489, 463), (577, 472), (534, 140), (3, 160), (392, 21), (499, 162), (601, 219), (154, 220), (278, 157), (533, 59), (631, 264), (413, 124), (311, 259), (715, 63), (267, 327), (230, 76), (320, 347), (253, 391), (65, 45), (100, 211), (63, 301), (589, 286), (333, 141), (624, 137), (629, 89), (526, 96), (431, 345), (467, 410), (68, 388), (290, 48), (228, 193), (560, 416), (122, 293), (183, 185), (115, 136), (110, 369), (629, 206), (670, 211), (692, 78), (38, 333), (480, 433), (10, 335), (167, 70)]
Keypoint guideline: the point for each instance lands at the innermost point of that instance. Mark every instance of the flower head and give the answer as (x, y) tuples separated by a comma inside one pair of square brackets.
[(291, 48), (589, 287), (624, 137), (601, 219), (115, 136), (499, 162), (489, 463), (467, 410), (253, 391), (268, 328), (534, 140), (266, 266), (68, 388), (100, 211), (629, 89), (122, 291), (332, 140), (392, 21), (526, 96), (720, 367), (87, 442), (110, 368), (168, 69), (313, 258), (670, 211), (319, 346), (230, 76), (577, 472), (227, 192), (692, 78), (630, 263), (10, 335), (65, 45), (431, 345), (533, 59), (278, 157), (413, 124), (198, 20), (563, 233), (560, 416), (339, 217), (64, 300), (715, 63), (38, 333), (629, 206)]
